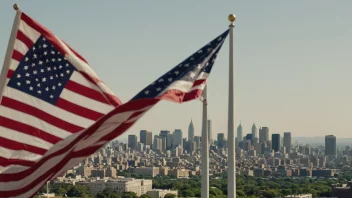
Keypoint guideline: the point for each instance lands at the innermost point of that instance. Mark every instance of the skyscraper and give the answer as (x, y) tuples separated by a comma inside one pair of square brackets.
[(263, 134), (190, 131), (210, 135), (330, 146), (146, 137), (221, 140), (132, 141), (287, 141), (240, 133), (157, 144), (164, 135), (177, 140), (276, 142), (254, 131)]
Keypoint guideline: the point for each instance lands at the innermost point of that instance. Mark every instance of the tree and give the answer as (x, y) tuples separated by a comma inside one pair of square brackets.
[(145, 196), (78, 191), (169, 195), (108, 193), (129, 195)]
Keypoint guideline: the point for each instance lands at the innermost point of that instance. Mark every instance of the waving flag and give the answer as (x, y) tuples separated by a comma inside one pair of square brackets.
[(49, 93), (183, 83)]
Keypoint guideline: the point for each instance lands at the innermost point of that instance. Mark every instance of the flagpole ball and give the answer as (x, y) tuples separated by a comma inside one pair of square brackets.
[(232, 17), (15, 6)]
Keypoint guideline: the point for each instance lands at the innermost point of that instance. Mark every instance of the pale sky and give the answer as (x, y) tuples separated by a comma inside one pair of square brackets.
[(292, 58)]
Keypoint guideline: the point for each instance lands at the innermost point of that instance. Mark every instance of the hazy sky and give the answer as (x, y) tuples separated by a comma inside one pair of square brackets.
[(293, 58)]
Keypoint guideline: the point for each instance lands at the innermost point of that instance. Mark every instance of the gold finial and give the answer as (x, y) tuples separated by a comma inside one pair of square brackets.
[(232, 17), (15, 6)]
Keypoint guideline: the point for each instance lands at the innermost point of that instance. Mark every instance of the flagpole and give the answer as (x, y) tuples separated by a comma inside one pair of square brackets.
[(205, 148), (231, 166), (10, 45)]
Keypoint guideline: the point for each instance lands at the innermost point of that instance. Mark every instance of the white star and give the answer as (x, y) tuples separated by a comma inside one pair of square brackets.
[(200, 51), (158, 89), (60, 66), (68, 71), (186, 65), (61, 74), (53, 87), (180, 65), (47, 60), (18, 84), (51, 96), (35, 72), (28, 82), (176, 72), (59, 84), (27, 74), (192, 74), (38, 85), (47, 88), (170, 79), (42, 70), (161, 80), (33, 64), (34, 56), (52, 52), (40, 62), (54, 67), (146, 92), (49, 68), (219, 39), (209, 49), (39, 91), (43, 79), (199, 66), (53, 60), (44, 46), (26, 59), (56, 76), (59, 59), (192, 58), (18, 75), (51, 77), (33, 48), (45, 53), (67, 64), (44, 39), (36, 79), (31, 88)]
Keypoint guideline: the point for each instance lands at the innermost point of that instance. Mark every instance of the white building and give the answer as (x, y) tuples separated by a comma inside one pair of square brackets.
[(300, 196), (121, 185), (159, 193)]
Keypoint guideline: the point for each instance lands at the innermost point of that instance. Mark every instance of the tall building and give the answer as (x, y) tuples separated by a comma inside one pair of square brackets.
[(254, 131), (158, 143), (240, 132), (190, 131), (287, 141), (330, 146), (221, 140), (146, 137), (198, 141), (177, 139), (132, 141), (164, 135), (210, 135), (263, 134), (169, 141), (276, 142)]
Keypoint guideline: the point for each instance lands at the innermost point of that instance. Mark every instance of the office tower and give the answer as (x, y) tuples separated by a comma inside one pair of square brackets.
[(330, 146), (198, 140), (132, 141), (287, 141), (157, 144), (146, 137), (254, 131), (249, 137), (240, 132), (210, 135), (190, 131), (169, 141), (276, 142), (164, 134), (177, 139), (221, 140), (263, 134)]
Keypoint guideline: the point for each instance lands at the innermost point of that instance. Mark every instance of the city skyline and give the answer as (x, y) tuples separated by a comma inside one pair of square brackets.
[(290, 75)]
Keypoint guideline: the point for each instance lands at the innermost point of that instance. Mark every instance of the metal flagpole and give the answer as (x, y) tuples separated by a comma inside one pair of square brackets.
[(205, 148), (231, 166), (9, 50)]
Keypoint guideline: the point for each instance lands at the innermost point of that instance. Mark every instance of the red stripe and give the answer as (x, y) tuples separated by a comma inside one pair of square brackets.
[(10, 144), (178, 96), (7, 162), (85, 91), (17, 55), (42, 115), (22, 37), (29, 130), (78, 110), (10, 73), (199, 82), (45, 32)]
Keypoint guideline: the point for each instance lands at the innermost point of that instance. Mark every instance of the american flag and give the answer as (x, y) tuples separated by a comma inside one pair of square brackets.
[(50, 93), (183, 83)]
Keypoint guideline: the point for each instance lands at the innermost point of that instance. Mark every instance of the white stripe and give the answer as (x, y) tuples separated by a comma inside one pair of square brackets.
[(202, 75), (201, 86), (14, 154), (24, 138), (27, 30), (105, 88), (20, 47), (80, 79), (35, 189), (83, 101), (181, 85), (13, 64), (50, 109), (12, 168), (32, 121)]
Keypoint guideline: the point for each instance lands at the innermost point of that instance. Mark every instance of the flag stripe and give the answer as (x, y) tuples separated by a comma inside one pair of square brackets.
[(73, 122), (28, 130), (13, 145), (20, 47), (27, 30), (85, 91), (11, 168), (79, 110), (78, 78), (38, 113), (23, 38), (17, 55), (9, 74), (5, 162)]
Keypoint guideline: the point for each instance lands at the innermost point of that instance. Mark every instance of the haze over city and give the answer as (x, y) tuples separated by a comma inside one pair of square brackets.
[(292, 59)]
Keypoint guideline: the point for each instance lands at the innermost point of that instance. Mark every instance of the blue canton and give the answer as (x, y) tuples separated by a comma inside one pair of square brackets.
[(43, 72), (188, 70)]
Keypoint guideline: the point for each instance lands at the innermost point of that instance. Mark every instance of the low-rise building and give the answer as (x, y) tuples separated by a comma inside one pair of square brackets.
[(159, 193)]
